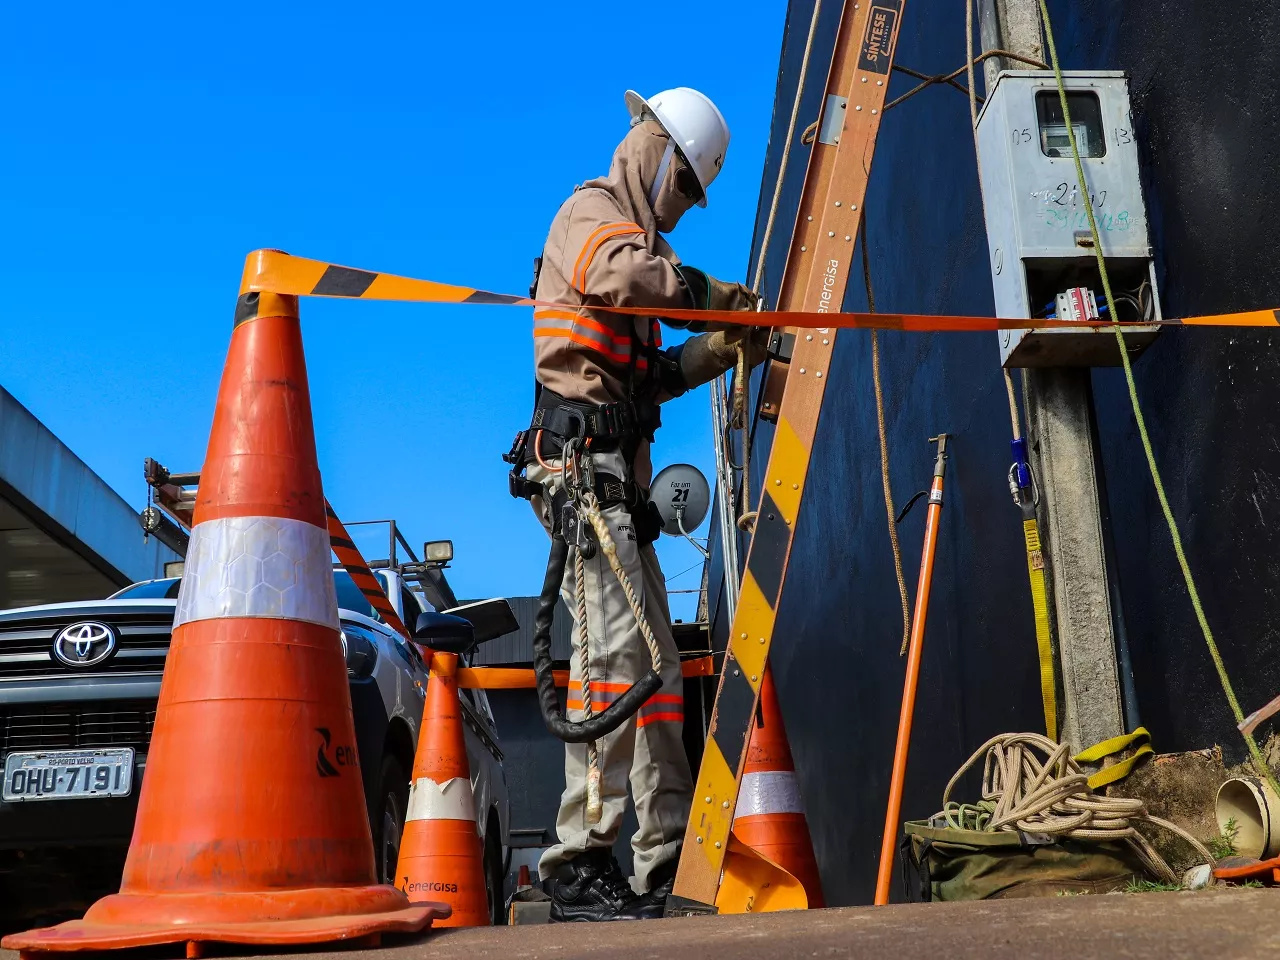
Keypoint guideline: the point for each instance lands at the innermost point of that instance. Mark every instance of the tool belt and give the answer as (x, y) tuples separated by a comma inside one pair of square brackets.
[(610, 426)]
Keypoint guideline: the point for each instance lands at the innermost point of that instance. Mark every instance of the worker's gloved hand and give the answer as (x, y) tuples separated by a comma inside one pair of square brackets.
[(708, 293), (730, 296), (705, 357)]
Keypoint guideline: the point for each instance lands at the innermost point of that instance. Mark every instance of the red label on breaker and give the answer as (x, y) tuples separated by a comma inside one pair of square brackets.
[(1077, 304)]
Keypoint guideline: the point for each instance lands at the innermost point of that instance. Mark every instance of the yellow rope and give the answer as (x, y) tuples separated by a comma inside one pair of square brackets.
[(1263, 768)]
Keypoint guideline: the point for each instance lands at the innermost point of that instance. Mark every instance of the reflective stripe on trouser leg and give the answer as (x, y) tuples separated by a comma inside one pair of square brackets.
[(659, 777)]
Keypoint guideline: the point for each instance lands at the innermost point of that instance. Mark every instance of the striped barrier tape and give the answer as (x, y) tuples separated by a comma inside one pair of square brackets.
[(272, 271), (353, 562)]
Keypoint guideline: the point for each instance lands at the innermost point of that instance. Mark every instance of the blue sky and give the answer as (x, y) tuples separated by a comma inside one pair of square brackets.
[(153, 145)]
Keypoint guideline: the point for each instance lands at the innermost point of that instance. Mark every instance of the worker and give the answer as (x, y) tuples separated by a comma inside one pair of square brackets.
[(600, 379)]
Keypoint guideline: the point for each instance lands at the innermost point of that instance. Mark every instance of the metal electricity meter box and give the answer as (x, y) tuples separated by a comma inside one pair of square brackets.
[(1037, 225)]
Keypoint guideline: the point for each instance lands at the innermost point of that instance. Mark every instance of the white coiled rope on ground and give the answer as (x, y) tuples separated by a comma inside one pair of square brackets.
[(1032, 785)]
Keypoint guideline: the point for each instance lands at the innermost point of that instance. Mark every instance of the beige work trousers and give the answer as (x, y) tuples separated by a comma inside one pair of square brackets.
[(647, 751)]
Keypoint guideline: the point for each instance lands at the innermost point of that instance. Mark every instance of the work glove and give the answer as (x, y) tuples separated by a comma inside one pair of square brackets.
[(706, 356), (708, 293)]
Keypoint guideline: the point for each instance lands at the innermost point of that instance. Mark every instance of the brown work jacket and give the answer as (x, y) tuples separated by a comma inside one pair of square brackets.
[(604, 248)]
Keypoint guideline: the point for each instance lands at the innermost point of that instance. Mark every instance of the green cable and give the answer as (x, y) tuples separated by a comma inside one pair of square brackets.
[(1227, 688)]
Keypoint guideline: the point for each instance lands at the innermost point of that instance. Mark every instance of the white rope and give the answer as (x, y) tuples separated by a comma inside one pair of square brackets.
[(595, 806), (591, 512), (786, 147), (1031, 784), (738, 416)]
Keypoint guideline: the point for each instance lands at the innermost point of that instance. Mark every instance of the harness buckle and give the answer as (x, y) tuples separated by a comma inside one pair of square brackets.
[(515, 455)]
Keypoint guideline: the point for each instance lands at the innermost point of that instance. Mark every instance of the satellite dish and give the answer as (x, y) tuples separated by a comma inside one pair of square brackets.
[(682, 497)]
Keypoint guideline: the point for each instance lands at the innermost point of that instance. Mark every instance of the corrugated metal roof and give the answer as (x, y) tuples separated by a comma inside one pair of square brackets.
[(517, 648)]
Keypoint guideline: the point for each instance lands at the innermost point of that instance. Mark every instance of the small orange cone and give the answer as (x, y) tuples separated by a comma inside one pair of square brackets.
[(440, 853), (251, 823), (769, 821)]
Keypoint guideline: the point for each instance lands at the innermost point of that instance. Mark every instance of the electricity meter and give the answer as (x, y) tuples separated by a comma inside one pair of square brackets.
[(1043, 263)]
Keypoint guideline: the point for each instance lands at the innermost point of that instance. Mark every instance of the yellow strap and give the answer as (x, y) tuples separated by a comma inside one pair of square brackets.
[(1040, 604), (1108, 748), (1113, 746)]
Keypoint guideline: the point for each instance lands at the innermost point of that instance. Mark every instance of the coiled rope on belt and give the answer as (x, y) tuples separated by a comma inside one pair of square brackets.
[(1032, 785)]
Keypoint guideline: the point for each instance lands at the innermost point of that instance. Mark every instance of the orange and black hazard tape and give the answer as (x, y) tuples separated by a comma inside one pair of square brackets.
[(272, 271), (353, 562)]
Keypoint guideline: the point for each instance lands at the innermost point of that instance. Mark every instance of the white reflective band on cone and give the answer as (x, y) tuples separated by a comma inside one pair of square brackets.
[(258, 567), (451, 800), (770, 791)]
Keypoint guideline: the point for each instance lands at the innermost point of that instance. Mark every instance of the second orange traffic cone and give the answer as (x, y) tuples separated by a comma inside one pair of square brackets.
[(441, 858), (770, 865)]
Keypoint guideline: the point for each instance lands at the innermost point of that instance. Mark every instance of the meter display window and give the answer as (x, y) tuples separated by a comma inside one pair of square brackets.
[(1086, 118)]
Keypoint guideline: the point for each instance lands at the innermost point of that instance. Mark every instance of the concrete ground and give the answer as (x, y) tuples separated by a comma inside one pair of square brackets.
[(1219, 924)]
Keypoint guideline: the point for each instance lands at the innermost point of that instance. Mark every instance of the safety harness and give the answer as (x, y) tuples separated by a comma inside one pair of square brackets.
[(570, 432), (600, 428)]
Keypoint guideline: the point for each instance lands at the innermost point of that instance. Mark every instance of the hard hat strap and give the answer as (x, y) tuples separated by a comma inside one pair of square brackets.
[(663, 166)]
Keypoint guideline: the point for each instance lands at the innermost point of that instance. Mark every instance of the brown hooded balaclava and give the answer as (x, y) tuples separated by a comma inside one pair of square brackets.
[(630, 180)]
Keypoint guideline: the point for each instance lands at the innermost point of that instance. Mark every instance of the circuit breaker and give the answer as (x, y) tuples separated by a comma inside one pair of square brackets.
[(1042, 259)]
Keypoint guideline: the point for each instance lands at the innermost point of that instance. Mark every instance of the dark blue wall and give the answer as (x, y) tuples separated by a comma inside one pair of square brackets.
[(1209, 124)]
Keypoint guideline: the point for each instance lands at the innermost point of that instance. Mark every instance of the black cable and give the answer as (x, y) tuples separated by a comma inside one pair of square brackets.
[(598, 725)]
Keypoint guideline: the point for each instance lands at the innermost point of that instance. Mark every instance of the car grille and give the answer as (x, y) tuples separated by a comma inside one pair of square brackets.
[(62, 726), (26, 649)]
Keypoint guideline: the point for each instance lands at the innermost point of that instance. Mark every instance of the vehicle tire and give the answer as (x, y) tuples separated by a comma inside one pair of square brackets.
[(388, 825), (493, 873)]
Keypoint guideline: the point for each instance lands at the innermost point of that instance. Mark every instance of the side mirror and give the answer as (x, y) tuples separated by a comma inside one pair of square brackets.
[(490, 618), (444, 634), (437, 551)]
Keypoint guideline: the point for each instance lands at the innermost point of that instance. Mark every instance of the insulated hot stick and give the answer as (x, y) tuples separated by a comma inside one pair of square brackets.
[(914, 652)]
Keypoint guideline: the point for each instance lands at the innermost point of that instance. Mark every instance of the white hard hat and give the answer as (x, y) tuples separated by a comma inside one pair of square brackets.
[(694, 125)]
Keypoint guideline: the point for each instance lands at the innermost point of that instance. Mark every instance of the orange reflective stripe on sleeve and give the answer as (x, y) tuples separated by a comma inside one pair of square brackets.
[(598, 236)]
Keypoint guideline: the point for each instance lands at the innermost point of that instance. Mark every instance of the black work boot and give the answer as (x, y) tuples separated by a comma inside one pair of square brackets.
[(651, 905), (591, 888)]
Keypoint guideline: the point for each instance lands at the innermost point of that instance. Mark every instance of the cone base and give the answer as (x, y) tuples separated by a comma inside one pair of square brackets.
[(316, 915), (442, 859)]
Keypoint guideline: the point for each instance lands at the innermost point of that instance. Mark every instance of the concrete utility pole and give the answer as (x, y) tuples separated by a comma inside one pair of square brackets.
[(1062, 455)]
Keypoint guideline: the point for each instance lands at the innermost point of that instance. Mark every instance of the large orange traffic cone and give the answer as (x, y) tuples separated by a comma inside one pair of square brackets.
[(251, 822), (770, 863), (440, 853)]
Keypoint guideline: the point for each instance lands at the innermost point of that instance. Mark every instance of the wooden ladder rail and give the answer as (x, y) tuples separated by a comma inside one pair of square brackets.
[(815, 278)]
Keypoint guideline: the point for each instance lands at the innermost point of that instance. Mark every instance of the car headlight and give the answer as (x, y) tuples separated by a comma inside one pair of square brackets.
[(359, 651)]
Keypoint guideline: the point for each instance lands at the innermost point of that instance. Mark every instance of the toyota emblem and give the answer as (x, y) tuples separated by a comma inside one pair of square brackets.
[(84, 644)]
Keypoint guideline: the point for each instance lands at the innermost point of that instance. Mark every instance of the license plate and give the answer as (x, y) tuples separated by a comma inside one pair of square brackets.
[(68, 774)]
